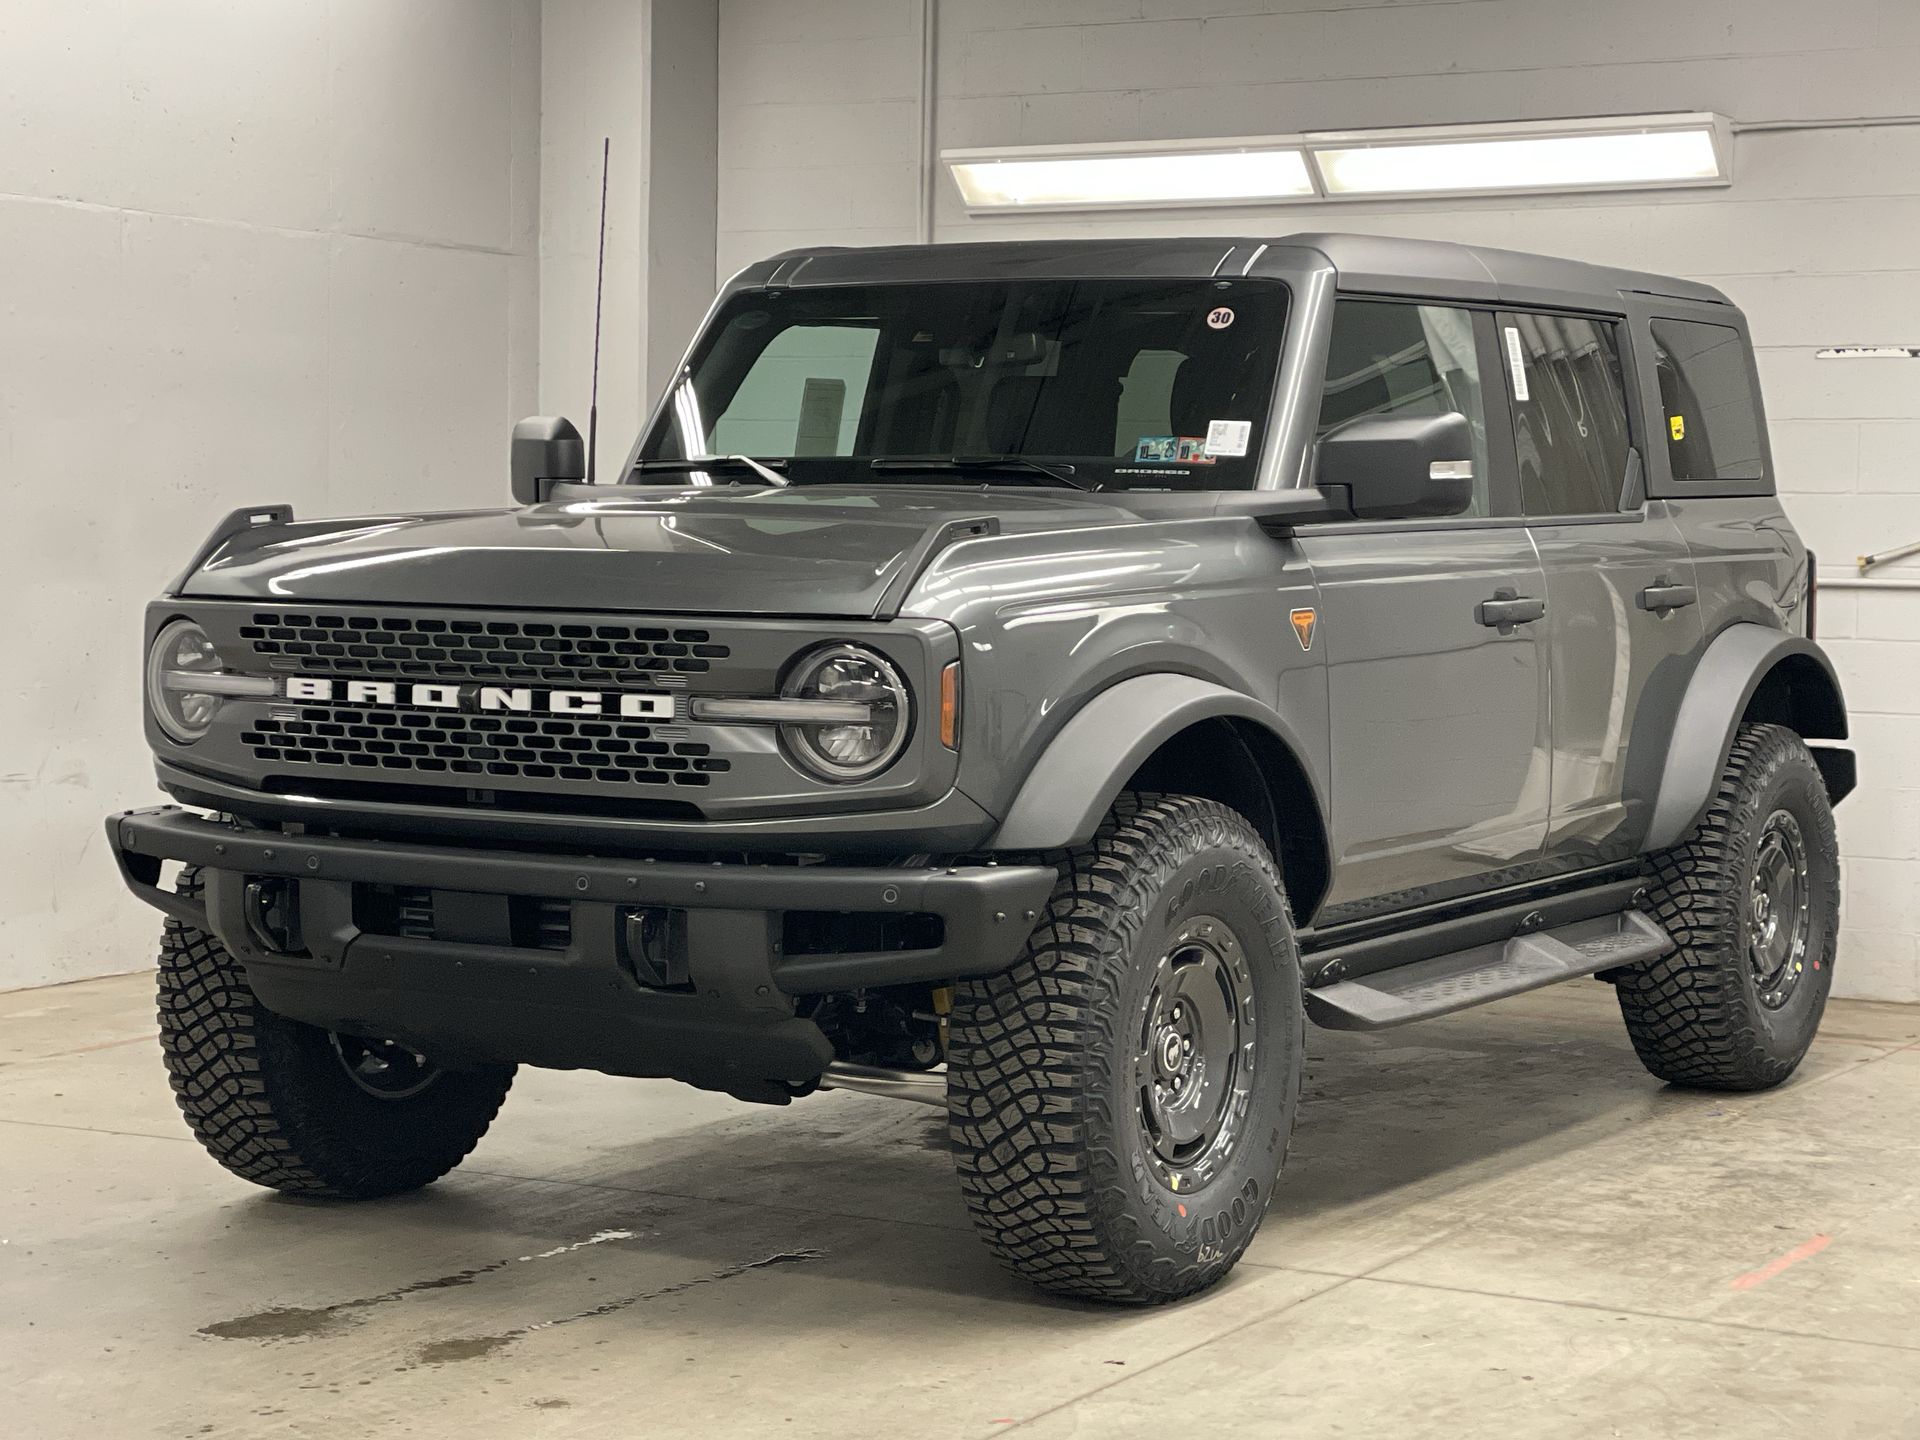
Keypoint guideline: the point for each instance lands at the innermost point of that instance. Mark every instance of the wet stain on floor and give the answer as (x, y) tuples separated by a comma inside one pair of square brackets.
[(300, 1322), (473, 1347), (280, 1323)]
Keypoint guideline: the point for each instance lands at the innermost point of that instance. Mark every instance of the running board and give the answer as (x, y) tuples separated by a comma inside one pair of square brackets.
[(1475, 976)]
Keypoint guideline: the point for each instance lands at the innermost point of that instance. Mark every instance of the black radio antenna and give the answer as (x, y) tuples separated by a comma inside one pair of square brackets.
[(599, 290)]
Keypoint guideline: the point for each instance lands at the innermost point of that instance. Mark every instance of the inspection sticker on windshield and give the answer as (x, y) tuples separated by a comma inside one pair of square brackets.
[(1517, 362), (1228, 437), (1172, 450)]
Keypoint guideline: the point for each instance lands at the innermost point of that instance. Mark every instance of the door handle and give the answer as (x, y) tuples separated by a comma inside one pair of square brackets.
[(1660, 597), (1509, 608)]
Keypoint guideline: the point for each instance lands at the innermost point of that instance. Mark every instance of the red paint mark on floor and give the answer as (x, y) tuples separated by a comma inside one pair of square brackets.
[(1785, 1262)]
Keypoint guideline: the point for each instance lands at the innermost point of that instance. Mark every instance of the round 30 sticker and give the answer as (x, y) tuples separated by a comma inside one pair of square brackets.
[(1219, 318)]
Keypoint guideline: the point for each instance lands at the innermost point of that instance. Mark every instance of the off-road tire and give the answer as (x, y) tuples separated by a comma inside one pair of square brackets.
[(1043, 1116), (1696, 1015), (270, 1099)]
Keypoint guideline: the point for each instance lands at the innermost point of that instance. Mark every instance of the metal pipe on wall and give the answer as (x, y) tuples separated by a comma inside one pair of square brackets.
[(1870, 582), (1884, 557)]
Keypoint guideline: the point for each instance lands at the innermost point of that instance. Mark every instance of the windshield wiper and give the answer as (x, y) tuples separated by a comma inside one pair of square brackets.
[(1058, 474), (715, 462)]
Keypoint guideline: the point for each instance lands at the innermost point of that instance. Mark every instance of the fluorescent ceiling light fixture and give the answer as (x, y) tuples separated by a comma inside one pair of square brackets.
[(1092, 177), (1654, 152), (1624, 152)]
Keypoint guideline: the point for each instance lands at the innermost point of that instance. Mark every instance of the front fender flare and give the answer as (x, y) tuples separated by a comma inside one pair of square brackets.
[(1083, 768), (1731, 669)]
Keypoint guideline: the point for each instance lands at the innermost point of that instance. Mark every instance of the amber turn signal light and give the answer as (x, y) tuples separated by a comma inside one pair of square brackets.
[(950, 705)]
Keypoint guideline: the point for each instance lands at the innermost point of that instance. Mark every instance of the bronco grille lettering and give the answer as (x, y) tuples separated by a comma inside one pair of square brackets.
[(627, 704)]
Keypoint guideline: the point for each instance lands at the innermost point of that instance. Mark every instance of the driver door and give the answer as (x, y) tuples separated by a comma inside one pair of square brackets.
[(1437, 677)]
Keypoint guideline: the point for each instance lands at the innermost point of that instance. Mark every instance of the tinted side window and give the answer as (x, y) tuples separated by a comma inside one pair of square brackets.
[(1706, 389), (1569, 412), (1390, 359)]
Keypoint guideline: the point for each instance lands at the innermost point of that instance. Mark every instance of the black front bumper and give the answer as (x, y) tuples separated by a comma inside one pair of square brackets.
[(725, 1019)]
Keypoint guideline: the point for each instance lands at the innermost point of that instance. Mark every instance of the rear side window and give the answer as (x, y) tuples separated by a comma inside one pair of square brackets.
[(1569, 412), (1706, 388)]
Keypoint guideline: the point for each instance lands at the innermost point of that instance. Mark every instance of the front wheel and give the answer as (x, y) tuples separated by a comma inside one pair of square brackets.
[(1752, 901), (301, 1109), (1120, 1101)]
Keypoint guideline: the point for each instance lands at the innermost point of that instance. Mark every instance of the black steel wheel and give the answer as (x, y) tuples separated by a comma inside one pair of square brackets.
[(1120, 1101), (1752, 901), (384, 1069), (1194, 1061), (1779, 910)]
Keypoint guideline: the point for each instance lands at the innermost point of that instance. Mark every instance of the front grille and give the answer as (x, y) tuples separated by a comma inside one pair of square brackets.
[(516, 753), (494, 650), (498, 746)]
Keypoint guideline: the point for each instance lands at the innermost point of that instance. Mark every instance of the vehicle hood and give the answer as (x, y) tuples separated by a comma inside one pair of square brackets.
[(819, 551)]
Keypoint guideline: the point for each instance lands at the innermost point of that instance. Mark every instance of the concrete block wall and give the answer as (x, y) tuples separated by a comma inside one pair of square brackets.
[(1814, 238), (248, 253), (639, 74), (819, 125), (591, 53)]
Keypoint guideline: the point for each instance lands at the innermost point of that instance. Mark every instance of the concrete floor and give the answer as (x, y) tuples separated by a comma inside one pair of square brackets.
[(1494, 1224)]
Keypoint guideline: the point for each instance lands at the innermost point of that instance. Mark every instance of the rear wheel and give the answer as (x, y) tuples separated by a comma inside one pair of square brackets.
[(301, 1109), (1752, 901), (1120, 1101)]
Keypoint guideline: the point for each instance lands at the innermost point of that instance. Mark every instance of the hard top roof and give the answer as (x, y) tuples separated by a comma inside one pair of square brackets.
[(1375, 264)]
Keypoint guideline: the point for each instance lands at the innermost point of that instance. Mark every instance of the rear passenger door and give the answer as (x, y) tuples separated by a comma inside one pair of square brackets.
[(1623, 617), (1438, 715)]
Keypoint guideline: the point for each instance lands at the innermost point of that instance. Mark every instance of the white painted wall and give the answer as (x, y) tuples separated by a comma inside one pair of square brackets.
[(592, 55), (640, 74), (249, 252), (819, 128), (1815, 239)]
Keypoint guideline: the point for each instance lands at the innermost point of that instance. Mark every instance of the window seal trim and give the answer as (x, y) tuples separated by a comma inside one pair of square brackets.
[(1468, 522)]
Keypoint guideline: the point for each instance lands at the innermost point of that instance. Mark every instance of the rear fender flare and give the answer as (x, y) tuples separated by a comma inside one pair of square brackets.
[(1731, 670)]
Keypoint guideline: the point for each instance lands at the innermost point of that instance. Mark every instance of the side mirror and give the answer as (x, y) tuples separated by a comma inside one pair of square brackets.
[(546, 450), (1398, 466)]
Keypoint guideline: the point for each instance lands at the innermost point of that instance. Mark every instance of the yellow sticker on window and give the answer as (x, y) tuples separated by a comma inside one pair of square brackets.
[(1677, 426)]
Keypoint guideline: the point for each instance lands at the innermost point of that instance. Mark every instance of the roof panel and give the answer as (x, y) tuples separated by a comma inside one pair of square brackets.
[(1377, 263)]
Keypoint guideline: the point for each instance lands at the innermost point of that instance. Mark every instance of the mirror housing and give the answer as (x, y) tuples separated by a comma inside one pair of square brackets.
[(546, 451), (1397, 467)]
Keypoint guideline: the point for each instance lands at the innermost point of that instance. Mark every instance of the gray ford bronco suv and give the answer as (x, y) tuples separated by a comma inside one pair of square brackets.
[(1030, 678)]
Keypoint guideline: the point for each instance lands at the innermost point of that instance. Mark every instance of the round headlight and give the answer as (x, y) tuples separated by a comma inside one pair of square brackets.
[(180, 652), (850, 749)]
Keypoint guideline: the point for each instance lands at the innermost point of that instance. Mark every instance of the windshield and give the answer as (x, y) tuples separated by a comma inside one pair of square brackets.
[(1152, 384)]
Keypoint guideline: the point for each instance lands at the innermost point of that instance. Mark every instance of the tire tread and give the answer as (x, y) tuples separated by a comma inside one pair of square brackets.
[(1031, 1129), (1688, 1013), (239, 1072)]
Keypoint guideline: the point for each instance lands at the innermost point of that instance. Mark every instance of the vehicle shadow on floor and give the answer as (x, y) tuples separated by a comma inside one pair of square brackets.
[(864, 1189)]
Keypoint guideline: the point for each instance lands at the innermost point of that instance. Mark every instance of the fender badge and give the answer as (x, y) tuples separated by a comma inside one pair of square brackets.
[(1303, 623)]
